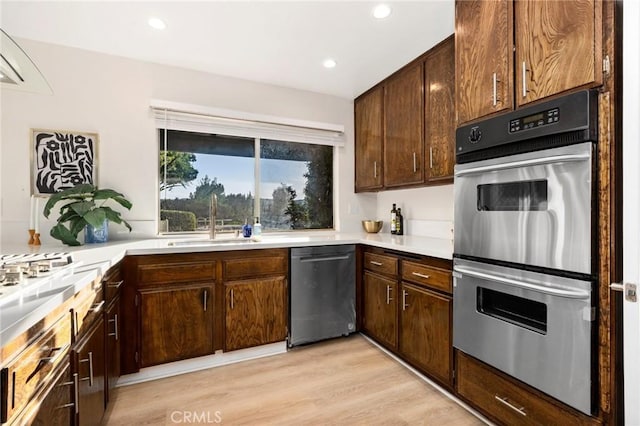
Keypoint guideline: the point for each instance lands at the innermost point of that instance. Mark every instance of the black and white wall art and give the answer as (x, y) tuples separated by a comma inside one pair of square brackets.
[(62, 159)]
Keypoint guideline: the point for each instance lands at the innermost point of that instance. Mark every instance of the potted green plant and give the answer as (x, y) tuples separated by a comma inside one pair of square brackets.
[(84, 208)]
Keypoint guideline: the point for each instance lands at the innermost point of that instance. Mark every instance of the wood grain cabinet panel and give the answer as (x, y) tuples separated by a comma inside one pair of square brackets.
[(429, 276), (404, 128), (440, 131), (252, 265), (381, 309), (507, 401), (176, 323), (255, 312), (88, 357), (484, 58), (425, 331), (381, 264), (558, 47), (368, 143), (54, 405), (175, 272)]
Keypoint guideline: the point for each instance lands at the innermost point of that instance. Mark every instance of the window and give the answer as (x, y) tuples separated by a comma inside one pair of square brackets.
[(289, 185)]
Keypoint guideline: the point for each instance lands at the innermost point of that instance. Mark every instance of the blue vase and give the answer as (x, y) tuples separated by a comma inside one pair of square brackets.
[(96, 235)]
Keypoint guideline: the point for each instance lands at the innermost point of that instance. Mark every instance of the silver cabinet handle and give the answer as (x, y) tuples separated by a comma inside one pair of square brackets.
[(524, 79), (74, 403), (430, 157), (526, 163), (115, 284), (418, 274), (375, 169), (98, 307), (389, 298), (204, 300), (415, 166), (495, 89), (76, 391), (90, 361), (324, 259), (115, 326), (513, 407), (375, 263), (232, 302), (404, 300), (52, 359)]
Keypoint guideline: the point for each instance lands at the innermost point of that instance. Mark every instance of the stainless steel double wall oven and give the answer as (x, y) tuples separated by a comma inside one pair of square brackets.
[(524, 250)]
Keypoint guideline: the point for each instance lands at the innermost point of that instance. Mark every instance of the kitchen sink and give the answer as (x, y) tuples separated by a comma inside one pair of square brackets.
[(210, 242)]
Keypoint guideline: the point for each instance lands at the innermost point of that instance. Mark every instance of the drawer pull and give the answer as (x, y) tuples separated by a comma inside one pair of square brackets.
[(389, 298), (405, 293), (232, 301), (90, 361), (52, 359), (73, 404), (115, 284), (115, 326), (513, 407), (97, 307), (375, 263), (418, 274), (204, 300)]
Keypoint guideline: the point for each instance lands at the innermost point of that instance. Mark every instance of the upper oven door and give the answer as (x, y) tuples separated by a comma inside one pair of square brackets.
[(532, 208)]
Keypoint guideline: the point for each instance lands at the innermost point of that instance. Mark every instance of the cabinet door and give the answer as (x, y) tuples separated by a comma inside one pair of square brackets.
[(176, 323), (440, 129), (484, 58), (558, 47), (403, 128), (89, 364), (368, 145), (425, 330), (380, 309), (255, 312), (114, 332)]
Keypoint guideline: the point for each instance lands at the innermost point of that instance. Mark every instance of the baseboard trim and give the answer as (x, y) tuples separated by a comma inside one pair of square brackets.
[(201, 363), (429, 381)]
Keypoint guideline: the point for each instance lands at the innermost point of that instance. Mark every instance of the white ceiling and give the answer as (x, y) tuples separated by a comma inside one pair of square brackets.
[(282, 43)]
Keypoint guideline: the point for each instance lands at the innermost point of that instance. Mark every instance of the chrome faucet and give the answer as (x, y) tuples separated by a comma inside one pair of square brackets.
[(213, 211)]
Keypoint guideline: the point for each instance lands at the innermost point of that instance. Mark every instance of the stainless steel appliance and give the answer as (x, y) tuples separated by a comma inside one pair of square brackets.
[(524, 251), (322, 293)]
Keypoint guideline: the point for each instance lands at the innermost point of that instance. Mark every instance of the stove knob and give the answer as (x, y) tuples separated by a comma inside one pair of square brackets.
[(475, 135)]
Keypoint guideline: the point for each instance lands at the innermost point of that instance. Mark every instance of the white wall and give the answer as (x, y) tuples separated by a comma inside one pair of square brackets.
[(110, 95)]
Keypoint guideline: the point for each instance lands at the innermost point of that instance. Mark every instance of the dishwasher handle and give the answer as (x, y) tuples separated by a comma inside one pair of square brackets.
[(324, 258)]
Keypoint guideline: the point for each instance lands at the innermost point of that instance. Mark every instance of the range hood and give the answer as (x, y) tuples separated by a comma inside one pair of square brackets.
[(17, 70)]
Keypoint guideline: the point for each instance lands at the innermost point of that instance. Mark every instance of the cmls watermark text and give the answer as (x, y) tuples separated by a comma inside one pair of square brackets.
[(195, 417)]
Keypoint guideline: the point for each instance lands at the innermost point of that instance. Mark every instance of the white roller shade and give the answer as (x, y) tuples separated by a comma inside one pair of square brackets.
[(194, 118)]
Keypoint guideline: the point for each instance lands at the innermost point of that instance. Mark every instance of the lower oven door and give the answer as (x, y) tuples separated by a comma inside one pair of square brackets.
[(532, 209), (534, 327)]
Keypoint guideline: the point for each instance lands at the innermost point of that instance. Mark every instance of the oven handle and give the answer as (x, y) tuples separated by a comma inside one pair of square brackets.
[(525, 163), (540, 288)]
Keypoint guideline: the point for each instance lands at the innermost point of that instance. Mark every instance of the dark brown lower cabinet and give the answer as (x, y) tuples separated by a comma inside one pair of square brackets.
[(425, 330), (113, 326), (55, 404), (176, 323), (380, 309), (255, 312), (88, 358)]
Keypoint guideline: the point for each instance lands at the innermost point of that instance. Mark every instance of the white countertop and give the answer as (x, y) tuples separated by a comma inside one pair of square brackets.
[(20, 314)]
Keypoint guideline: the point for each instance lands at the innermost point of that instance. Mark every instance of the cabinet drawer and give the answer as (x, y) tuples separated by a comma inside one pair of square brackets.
[(439, 279), (27, 373), (88, 305), (251, 267), (176, 272), (112, 283), (506, 401), (381, 263)]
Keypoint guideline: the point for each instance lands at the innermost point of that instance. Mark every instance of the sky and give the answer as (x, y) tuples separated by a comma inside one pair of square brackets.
[(237, 175)]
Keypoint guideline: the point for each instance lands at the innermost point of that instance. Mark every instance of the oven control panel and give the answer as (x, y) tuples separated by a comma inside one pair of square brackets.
[(543, 118)]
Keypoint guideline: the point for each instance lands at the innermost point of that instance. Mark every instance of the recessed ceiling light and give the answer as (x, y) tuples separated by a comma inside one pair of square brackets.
[(381, 11), (157, 23), (329, 63)]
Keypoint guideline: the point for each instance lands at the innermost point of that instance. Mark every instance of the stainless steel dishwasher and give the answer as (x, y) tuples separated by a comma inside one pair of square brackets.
[(322, 293)]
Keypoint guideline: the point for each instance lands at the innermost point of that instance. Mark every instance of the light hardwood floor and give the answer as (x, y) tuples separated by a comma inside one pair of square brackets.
[(345, 381)]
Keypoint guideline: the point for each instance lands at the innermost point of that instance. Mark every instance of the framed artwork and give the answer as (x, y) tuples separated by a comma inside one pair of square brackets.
[(62, 159)]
